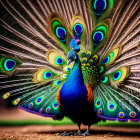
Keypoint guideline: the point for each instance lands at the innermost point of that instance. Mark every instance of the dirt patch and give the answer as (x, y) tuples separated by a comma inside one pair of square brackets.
[(53, 133)]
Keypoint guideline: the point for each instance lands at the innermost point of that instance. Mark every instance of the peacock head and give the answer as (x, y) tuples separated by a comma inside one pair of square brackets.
[(72, 56)]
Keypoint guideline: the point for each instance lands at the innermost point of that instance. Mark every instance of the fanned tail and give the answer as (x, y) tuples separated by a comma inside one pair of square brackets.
[(119, 65), (37, 67), (35, 40)]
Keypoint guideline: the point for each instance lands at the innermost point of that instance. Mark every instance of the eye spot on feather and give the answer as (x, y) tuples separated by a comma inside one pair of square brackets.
[(98, 103), (48, 110), (132, 114), (9, 64), (41, 110), (58, 60), (67, 68), (57, 82), (121, 115), (83, 54), (90, 62), (16, 102), (100, 111), (99, 6), (56, 105), (111, 106), (117, 75), (6, 95), (101, 69), (78, 29), (30, 105), (95, 59), (65, 76), (97, 37), (47, 75), (61, 34), (39, 100), (88, 54), (104, 79), (84, 60), (106, 60)]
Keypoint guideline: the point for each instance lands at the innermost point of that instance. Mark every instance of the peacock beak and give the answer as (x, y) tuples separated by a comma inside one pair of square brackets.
[(69, 61)]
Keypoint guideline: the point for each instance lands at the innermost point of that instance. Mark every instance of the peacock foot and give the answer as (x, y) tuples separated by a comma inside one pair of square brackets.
[(81, 134), (78, 133), (66, 134), (85, 134)]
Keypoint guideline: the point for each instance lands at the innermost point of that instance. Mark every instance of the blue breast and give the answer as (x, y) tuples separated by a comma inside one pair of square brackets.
[(73, 94)]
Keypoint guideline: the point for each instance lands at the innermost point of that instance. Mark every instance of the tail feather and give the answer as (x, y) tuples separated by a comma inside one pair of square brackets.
[(123, 24), (25, 36)]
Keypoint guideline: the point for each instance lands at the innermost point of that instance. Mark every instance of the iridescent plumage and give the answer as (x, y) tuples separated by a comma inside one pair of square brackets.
[(99, 39)]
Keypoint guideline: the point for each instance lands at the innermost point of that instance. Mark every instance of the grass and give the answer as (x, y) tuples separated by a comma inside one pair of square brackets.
[(119, 124), (65, 121)]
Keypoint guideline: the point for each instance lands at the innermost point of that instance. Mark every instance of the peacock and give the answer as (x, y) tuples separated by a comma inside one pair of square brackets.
[(74, 58)]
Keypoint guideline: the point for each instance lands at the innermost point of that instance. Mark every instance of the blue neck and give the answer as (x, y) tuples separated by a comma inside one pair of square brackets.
[(76, 73), (77, 64), (75, 77)]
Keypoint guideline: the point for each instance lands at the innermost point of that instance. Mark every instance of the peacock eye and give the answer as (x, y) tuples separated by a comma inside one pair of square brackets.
[(106, 60), (47, 75), (55, 105), (39, 100), (101, 69), (97, 37), (132, 114), (121, 115), (78, 29), (61, 33), (111, 106), (117, 75), (99, 6), (9, 64), (98, 103), (58, 60), (57, 82), (95, 59), (104, 79), (30, 105), (48, 110)]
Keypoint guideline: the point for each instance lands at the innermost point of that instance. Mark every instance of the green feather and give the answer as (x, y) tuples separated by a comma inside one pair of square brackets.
[(8, 64)]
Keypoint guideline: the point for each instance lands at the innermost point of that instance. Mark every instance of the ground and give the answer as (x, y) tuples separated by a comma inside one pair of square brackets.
[(47, 132), (52, 132)]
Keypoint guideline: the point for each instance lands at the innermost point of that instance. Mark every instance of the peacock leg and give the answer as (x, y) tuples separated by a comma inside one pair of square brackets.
[(74, 134), (87, 132), (79, 131)]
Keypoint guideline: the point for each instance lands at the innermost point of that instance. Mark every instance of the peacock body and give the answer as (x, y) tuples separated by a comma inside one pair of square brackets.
[(85, 65), (74, 96)]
